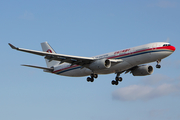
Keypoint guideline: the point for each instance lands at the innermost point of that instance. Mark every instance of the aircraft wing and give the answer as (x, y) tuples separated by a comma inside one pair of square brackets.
[(58, 57), (78, 60)]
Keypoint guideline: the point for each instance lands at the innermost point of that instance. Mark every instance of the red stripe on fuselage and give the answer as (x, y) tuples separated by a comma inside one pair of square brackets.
[(172, 48)]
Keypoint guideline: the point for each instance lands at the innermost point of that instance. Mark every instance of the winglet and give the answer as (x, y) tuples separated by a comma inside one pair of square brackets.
[(12, 46)]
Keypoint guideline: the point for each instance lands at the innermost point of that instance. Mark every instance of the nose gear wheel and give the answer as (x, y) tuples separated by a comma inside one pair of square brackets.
[(158, 65)]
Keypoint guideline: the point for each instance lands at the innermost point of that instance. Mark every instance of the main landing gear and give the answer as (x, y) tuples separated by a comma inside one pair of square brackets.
[(117, 79), (91, 79), (158, 65)]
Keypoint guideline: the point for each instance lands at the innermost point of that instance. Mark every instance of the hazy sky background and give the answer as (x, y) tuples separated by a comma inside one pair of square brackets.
[(87, 28)]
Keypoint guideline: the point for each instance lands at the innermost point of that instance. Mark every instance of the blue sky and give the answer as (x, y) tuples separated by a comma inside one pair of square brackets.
[(87, 28)]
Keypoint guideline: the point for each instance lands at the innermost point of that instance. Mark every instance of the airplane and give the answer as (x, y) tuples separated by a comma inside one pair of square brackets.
[(130, 60)]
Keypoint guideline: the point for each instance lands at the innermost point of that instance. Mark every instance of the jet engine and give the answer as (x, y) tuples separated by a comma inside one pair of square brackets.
[(100, 64), (142, 70)]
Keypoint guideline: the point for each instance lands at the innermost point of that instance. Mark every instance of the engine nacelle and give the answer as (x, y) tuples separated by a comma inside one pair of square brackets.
[(100, 64), (142, 70)]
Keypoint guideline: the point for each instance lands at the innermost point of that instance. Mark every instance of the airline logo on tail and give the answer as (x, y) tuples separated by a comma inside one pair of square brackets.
[(49, 51)]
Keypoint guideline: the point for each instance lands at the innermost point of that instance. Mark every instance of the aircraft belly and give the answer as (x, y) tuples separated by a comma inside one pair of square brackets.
[(77, 72), (159, 55)]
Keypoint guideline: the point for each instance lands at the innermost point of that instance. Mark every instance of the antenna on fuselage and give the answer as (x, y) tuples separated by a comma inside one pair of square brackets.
[(167, 40)]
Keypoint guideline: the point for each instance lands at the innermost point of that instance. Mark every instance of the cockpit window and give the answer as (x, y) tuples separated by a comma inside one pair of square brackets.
[(166, 45)]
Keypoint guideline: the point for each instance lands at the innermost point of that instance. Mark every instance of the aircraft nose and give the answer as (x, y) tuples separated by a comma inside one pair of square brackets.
[(172, 48)]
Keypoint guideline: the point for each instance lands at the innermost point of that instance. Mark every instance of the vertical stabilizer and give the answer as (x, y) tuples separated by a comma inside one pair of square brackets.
[(47, 48)]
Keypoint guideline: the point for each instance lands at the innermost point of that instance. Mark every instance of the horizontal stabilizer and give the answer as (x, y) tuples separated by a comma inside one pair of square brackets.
[(44, 68)]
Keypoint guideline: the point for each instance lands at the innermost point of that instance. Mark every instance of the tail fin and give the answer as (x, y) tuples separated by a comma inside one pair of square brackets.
[(47, 48)]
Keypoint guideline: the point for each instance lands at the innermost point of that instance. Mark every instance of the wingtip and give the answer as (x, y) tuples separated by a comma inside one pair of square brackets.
[(23, 65), (12, 46)]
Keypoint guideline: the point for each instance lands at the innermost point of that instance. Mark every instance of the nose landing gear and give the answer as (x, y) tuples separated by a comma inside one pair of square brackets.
[(158, 65)]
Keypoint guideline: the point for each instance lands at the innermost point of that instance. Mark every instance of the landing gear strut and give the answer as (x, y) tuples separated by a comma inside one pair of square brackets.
[(158, 65), (91, 79), (117, 79)]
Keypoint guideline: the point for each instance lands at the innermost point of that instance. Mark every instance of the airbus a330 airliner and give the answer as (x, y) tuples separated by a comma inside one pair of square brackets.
[(127, 60)]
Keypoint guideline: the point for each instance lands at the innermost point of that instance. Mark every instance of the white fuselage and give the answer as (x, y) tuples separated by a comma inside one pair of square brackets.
[(131, 57)]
